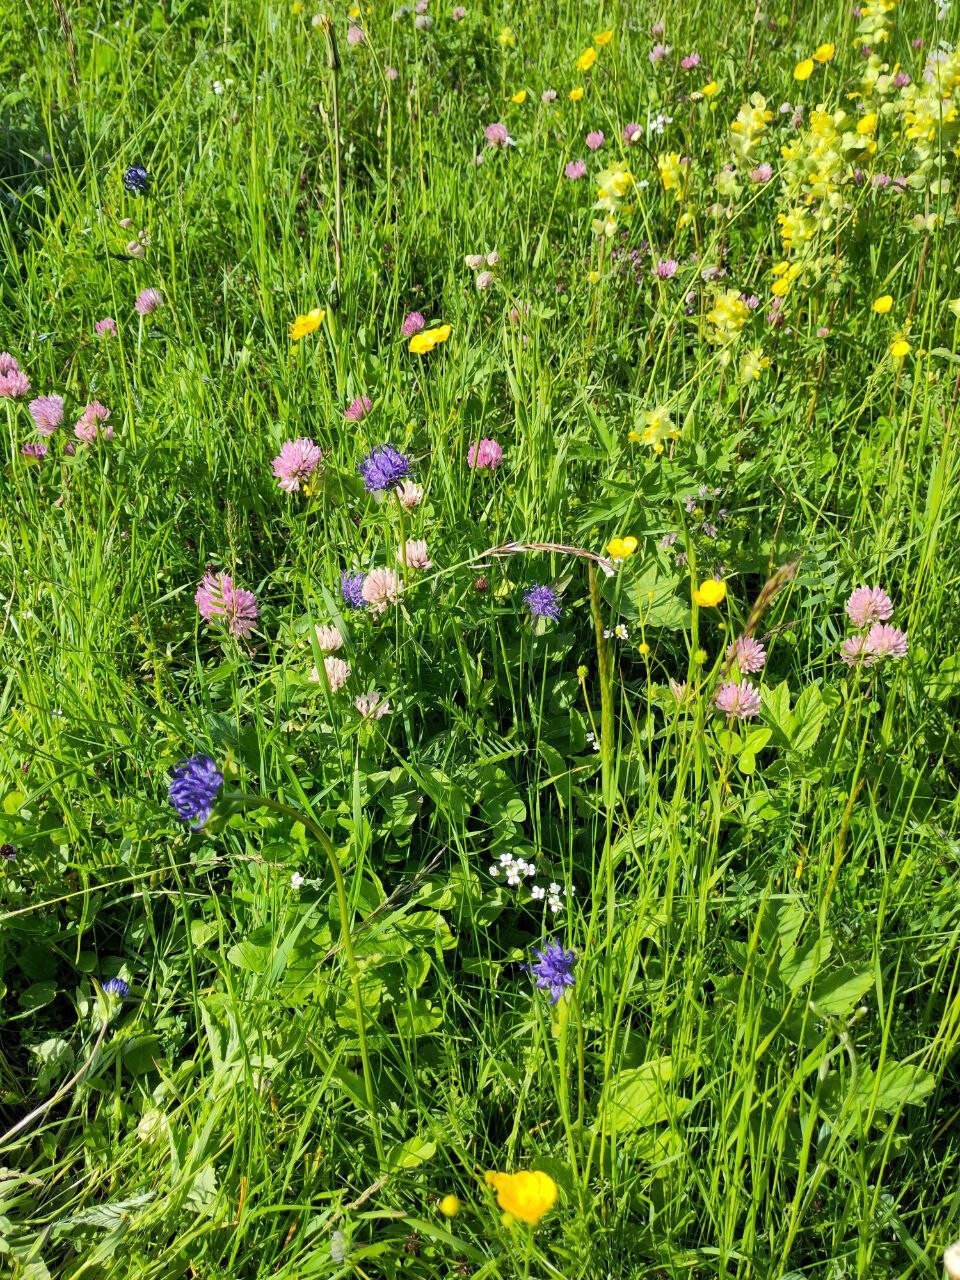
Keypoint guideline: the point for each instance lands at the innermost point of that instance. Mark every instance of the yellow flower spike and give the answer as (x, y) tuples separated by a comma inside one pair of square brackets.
[(587, 59), (710, 593), (602, 38), (450, 1206), (427, 339), (306, 324), (824, 52), (899, 348), (621, 548), (803, 70), (527, 1195), (576, 94), (882, 304)]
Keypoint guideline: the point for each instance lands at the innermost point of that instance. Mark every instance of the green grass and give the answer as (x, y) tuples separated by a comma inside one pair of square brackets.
[(755, 1074)]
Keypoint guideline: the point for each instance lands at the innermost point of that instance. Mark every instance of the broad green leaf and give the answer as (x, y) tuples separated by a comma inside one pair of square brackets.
[(835, 994), (900, 1084), (641, 1096), (410, 1154)]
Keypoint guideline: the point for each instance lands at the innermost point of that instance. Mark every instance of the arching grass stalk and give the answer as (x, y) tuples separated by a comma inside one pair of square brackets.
[(238, 801)]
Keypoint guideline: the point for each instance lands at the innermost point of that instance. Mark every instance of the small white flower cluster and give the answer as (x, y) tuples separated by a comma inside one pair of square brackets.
[(592, 739), (516, 870), (620, 631)]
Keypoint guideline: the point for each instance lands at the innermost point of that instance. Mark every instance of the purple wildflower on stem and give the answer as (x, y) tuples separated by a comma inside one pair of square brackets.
[(105, 326), (554, 969), (749, 655), (575, 170), (217, 598), (351, 589), (884, 641), (117, 987), (13, 381), (542, 602), (497, 134), (413, 322), (194, 786), (296, 463), (358, 409), (868, 605), (738, 700), (632, 133), (47, 413), (35, 449), (484, 455), (666, 268), (383, 467), (595, 139), (148, 300)]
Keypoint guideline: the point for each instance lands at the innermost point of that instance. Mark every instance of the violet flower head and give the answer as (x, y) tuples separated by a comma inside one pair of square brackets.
[(93, 423), (217, 598), (357, 409), (355, 35), (296, 462), (632, 132), (413, 322), (666, 268), (147, 301), (351, 589), (738, 701), (105, 326), (484, 455), (542, 602), (868, 605), (575, 170), (47, 413), (595, 139), (137, 180), (194, 786), (884, 641), (117, 987), (35, 449), (749, 655), (690, 61), (13, 381), (554, 969), (383, 467), (853, 649), (497, 134), (659, 52)]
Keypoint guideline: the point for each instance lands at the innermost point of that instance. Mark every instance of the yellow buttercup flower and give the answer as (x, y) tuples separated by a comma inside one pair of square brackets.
[(506, 39), (587, 59), (353, 11), (519, 97), (899, 348), (620, 548), (710, 90), (427, 339), (297, 7), (803, 70), (577, 93), (824, 52), (450, 1206), (527, 1195), (602, 38), (883, 304), (710, 593), (306, 324)]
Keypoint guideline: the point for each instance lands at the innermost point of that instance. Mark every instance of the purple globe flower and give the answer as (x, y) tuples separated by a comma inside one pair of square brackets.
[(194, 786), (117, 987), (542, 602), (351, 588), (137, 181), (554, 969), (383, 468)]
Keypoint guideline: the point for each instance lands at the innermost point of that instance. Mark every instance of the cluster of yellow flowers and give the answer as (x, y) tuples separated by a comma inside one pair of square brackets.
[(749, 127), (658, 429), (613, 187), (725, 319)]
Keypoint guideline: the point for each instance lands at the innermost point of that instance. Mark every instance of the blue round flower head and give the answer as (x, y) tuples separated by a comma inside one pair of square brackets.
[(194, 786), (542, 602), (136, 180), (117, 987), (554, 969), (382, 468), (351, 588)]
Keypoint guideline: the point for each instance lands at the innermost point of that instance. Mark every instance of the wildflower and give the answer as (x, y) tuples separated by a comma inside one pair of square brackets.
[(297, 881), (671, 172), (35, 449), (710, 593), (296, 462), (762, 173), (678, 689), (519, 98), (497, 134), (738, 701), (602, 38), (484, 280), (336, 672), (423, 342), (88, 426), (899, 348), (527, 1195), (749, 655), (372, 705), (381, 587), (752, 365), (116, 987), (575, 170), (594, 139), (449, 1206), (414, 554), (554, 970), (884, 641), (659, 52), (392, 73), (852, 650), (658, 28), (147, 301), (306, 324), (194, 786), (803, 70), (868, 605), (484, 455), (632, 133), (576, 93), (13, 381), (506, 39), (410, 495), (710, 90), (951, 1262), (105, 326), (666, 268), (423, 22), (217, 597), (351, 590), (542, 602), (727, 317), (137, 180), (357, 409), (329, 639), (413, 322), (47, 413), (548, 96), (587, 59), (883, 304), (824, 53), (621, 548), (459, 13), (383, 467), (355, 35), (690, 61), (658, 428)]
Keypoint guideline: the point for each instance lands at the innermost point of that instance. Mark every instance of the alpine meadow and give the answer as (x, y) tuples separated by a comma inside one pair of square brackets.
[(479, 640)]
